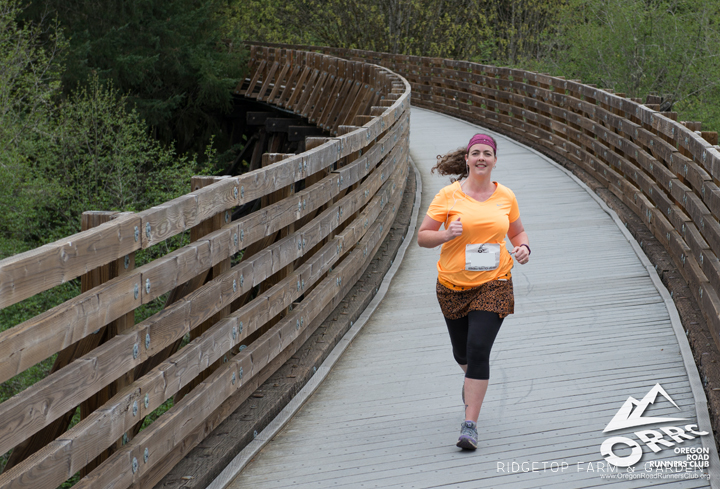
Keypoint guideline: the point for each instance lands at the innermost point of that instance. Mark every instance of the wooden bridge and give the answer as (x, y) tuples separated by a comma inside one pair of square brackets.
[(594, 323)]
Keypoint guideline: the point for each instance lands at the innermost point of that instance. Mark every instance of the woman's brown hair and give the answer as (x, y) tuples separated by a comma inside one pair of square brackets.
[(453, 163)]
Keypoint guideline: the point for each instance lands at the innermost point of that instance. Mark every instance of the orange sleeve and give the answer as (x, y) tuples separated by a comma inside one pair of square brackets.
[(438, 209), (514, 209)]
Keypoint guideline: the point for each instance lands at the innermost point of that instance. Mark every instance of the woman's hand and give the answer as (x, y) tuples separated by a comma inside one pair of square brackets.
[(522, 255), (519, 240), (454, 230), (430, 236)]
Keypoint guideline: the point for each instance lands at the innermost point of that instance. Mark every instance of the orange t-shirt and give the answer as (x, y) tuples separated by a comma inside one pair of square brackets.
[(483, 222)]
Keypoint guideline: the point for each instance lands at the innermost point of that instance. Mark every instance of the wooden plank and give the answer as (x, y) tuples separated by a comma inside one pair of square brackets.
[(327, 470), (278, 83), (307, 91), (170, 325), (88, 282), (329, 119), (186, 367), (210, 395), (32, 272), (40, 337), (198, 466), (180, 214), (305, 108), (299, 88), (292, 81), (119, 326), (255, 78), (268, 79), (203, 229)]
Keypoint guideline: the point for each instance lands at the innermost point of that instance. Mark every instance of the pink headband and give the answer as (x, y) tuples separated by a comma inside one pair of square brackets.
[(481, 139)]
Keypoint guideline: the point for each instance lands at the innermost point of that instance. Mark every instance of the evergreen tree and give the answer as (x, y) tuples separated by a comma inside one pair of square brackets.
[(176, 61)]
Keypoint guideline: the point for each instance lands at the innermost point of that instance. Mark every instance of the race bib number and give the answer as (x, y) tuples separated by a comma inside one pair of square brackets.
[(482, 257)]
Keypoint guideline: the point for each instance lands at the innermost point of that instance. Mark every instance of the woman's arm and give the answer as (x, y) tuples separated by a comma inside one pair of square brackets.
[(519, 237), (429, 235)]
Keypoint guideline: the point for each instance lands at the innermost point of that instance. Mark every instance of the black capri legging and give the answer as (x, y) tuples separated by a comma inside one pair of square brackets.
[(472, 338)]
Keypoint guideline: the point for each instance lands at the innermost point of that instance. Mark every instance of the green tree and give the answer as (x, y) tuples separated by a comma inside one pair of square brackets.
[(60, 157), (177, 61), (29, 81), (454, 29), (99, 156), (523, 30), (669, 47)]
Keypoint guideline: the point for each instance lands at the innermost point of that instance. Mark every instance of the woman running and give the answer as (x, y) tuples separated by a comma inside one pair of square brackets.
[(474, 286)]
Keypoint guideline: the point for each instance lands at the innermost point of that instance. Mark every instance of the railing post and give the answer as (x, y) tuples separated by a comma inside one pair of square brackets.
[(197, 232), (88, 281)]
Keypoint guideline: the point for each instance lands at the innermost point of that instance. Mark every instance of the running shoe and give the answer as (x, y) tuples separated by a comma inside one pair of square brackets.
[(468, 436)]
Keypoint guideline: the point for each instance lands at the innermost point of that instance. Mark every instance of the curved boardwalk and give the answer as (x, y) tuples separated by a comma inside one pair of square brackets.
[(590, 330)]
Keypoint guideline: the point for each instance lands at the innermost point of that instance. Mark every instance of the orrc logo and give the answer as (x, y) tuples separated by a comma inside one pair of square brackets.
[(630, 415)]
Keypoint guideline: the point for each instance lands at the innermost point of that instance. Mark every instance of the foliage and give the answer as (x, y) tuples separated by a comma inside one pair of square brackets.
[(177, 61), (62, 157), (29, 79), (704, 107), (523, 30), (100, 157), (669, 47), (455, 29), (94, 154)]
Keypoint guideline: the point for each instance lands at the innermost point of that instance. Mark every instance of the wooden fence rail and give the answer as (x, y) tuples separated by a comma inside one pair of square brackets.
[(324, 212), (667, 172)]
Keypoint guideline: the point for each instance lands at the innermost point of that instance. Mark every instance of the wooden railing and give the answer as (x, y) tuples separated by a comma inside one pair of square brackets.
[(666, 172), (324, 213)]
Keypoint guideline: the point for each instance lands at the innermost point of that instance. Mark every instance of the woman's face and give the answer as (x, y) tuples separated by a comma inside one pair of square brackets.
[(480, 159)]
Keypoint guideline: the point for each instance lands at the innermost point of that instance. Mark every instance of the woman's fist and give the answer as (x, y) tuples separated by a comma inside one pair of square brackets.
[(454, 230)]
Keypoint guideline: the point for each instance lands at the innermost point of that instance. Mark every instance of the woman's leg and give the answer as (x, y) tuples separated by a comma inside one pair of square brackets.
[(483, 327), (458, 329)]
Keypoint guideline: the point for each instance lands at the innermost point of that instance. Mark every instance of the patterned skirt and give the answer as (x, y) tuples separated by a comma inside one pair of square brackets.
[(494, 296)]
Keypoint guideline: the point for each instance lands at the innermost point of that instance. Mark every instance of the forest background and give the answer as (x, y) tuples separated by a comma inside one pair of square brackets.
[(114, 105)]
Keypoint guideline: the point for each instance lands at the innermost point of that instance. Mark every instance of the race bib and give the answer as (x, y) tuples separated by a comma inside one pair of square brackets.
[(482, 257)]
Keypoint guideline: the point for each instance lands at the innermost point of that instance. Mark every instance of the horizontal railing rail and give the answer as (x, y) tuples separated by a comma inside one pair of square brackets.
[(324, 213), (667, 172)]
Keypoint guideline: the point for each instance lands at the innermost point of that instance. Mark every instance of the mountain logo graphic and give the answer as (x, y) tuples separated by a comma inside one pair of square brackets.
[(631, 412)]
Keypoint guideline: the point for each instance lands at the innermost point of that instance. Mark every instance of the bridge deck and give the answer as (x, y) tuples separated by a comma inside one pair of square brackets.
[(590, 330)]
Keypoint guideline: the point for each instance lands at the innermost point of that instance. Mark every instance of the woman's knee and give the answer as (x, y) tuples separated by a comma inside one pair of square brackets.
[(460, 357)]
